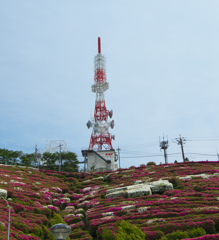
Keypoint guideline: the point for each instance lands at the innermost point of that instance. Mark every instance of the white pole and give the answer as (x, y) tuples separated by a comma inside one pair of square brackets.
[(9, 221)]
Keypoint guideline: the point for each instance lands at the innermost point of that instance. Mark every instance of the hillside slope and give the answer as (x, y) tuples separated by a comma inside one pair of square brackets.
[(158, 199)]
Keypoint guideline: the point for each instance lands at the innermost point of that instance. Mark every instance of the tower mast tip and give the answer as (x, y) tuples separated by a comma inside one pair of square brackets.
[(99, 46)]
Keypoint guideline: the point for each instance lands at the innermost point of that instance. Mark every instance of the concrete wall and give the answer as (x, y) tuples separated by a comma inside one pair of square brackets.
[(94, 162)]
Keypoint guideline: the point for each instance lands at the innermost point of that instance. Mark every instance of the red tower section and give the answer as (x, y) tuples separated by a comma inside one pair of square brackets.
[(100, 137)]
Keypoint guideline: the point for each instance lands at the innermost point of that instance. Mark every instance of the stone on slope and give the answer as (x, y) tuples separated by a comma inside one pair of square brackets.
[(160, 186), (128, 207), (138, 190), (3, 193), (121, 193), (142, 209), (203, 175)]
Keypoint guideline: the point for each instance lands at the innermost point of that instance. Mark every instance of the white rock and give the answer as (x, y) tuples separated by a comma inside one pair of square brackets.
[(4, 182), (203, 175), (160, 186), (3, 193), (138, 190), (107, 214), (116, 190), (116, 194), (155, 220), (142, 209), (18, 188), (87, 189), (138, 182), (128, 207)]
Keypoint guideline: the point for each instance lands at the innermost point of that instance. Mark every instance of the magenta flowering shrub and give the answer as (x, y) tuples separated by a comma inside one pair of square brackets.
[(79, 199)]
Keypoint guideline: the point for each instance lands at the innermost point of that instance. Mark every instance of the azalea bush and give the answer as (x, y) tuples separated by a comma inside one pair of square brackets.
[(43, 198)]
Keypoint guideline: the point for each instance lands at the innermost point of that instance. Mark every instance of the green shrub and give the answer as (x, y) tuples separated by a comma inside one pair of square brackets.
[(124, 231), (142, 165), (128, 231), (108, 234), (196, 232), (175, 236), (192, 233), (151, 164), (56, 219)]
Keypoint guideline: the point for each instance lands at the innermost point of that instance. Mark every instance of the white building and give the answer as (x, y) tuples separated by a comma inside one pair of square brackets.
[(99, 161)]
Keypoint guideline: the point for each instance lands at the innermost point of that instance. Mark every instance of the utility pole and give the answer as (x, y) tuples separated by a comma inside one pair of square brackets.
[(119, 155), (60, 147), (180, 141)]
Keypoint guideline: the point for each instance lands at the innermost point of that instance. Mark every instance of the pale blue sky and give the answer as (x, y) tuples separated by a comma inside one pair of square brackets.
[(162, 68)]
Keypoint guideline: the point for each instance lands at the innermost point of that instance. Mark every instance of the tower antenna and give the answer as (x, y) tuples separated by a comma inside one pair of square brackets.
[(100, 136), (164, 145), (99, 45)]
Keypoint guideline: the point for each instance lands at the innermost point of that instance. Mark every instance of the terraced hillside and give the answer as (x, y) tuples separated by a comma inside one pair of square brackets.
[(157, 199)]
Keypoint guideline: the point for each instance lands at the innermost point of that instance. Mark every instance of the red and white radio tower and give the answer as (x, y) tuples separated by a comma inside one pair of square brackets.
[(100, 137)]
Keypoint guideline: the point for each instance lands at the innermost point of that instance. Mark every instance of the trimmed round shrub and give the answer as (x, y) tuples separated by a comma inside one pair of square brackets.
[(126, 231), (175, 236), (196, 232), (151, 164)]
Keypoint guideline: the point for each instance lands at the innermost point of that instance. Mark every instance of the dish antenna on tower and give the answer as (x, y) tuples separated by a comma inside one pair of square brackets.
[(164, 145)]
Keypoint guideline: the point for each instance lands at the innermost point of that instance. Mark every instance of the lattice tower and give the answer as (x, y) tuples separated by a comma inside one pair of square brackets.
[(100, 137)]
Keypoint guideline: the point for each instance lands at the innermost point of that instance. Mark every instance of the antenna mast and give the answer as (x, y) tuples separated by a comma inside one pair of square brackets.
[(164, 145), (100, 136)]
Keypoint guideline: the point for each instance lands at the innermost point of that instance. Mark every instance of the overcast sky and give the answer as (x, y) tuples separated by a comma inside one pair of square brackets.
[(162, 60)]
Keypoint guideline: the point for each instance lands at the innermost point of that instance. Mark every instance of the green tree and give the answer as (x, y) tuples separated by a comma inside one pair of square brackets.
[(49, 160), (9, 157), (4, 155), (70, 161), (27, 159)]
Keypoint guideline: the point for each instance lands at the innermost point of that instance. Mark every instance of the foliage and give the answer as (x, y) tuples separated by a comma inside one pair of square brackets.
[(27, 159), (56, 219), (126, 231), (151, 164), (108, 234), (196, 232), (192, 233), (9, 157), (69, 161), (175, 236)]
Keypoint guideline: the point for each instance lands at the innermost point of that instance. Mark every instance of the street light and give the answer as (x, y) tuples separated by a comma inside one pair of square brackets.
[(60, 231), (9, 219)]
